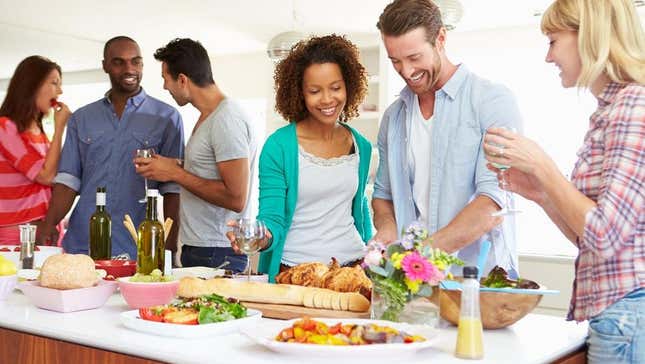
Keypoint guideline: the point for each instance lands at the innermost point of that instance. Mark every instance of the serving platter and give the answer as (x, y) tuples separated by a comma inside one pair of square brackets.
[(265, 336), (131, 320)]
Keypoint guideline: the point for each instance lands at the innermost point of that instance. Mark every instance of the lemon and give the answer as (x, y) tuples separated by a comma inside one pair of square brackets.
[(7, 267)]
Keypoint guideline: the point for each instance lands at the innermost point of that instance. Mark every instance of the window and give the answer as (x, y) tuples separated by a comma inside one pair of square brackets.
[(556, 118)]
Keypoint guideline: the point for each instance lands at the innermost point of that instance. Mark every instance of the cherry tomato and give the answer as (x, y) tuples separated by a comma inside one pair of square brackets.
[(151, 314)]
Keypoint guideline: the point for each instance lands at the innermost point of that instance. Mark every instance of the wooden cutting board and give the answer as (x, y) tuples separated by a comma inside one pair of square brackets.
[(288, 312)]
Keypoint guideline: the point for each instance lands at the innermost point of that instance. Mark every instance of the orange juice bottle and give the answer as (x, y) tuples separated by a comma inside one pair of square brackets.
[(469, 332)]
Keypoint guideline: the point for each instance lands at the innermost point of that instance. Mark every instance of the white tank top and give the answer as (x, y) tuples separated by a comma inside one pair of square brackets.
[(323, 225)]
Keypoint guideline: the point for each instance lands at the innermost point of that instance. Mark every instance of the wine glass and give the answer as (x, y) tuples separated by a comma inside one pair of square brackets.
[(145, 153), (508, 208), (249, 234)]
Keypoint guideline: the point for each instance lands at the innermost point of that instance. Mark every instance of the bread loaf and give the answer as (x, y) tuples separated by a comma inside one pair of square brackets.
[(274, 293), (68, 271)]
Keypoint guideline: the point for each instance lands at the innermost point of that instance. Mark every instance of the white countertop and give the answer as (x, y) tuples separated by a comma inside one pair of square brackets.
[(534, 339)]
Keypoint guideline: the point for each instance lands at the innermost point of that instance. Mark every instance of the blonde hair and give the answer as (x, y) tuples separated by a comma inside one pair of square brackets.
[(610, 37)]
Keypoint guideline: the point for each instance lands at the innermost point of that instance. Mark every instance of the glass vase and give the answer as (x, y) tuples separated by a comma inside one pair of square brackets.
[(418, 310)]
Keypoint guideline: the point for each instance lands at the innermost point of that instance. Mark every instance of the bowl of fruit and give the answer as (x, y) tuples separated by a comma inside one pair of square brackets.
[(8, 277), (146, 290)]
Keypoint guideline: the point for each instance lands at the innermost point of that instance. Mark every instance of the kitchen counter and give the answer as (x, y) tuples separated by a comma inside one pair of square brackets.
[(534, 339)]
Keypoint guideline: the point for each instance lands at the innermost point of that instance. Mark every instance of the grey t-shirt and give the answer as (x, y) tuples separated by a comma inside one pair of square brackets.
[(226, 134)]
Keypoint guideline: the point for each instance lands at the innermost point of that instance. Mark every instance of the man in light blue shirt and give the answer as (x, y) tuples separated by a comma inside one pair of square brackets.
[(99, 149), (432, 166)]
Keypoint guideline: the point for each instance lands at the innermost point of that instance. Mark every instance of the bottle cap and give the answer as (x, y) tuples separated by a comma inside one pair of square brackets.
[(153, 192), (470, 272)]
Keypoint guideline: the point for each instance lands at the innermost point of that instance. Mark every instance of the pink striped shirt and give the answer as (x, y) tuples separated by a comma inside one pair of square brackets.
[(611, 171), (22, 156)]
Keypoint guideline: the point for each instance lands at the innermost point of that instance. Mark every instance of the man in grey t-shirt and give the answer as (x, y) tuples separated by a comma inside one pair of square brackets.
[(219, 158)]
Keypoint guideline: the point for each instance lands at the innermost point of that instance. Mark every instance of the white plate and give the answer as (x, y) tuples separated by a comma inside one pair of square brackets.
[(131, 320), (199, 272), (265, 336)]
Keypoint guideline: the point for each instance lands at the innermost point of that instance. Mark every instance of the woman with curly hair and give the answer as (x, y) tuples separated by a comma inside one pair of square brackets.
[(313, 171), (598, 45)]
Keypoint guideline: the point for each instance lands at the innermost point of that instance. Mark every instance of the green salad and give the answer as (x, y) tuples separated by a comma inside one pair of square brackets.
[(155, 276)]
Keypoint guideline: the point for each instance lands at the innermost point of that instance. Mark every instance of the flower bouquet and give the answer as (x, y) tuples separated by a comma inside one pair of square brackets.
[(404, 275)]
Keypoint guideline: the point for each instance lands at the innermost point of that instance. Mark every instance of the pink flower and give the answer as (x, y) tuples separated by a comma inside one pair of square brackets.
[(416, 267), (436, 275), (373, 257)]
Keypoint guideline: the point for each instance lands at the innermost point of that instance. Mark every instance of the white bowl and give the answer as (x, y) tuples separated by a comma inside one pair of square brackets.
[(254, 277), (199, 272)]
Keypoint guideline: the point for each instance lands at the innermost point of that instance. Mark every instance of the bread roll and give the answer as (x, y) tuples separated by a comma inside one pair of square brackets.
[(274, 293), (68, 271)]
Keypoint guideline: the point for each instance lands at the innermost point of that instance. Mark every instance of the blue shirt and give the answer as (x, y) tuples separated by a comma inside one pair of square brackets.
[(464, 108), (98, 151)]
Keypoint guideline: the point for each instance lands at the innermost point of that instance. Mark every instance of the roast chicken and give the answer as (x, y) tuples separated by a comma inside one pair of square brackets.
[(334, 277)]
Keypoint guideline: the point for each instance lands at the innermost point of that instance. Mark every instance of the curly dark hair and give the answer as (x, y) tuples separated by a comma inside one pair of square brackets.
[(289, 74)]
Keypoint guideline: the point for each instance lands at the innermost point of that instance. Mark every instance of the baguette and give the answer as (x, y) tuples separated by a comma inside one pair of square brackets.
[(243, 291), (332, 300), (274, 293)]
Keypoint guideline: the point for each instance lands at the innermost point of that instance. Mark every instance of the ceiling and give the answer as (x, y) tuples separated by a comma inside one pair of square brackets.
[(72, 32)]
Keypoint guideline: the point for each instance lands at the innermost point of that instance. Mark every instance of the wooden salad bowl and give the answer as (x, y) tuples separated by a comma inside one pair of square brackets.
[(498, 309)]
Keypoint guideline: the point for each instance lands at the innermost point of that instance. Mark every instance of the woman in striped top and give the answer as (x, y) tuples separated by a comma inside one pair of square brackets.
[(28, 160), (598, 45)]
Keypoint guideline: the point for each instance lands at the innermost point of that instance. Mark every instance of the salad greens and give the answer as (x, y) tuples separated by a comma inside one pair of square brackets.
[(213, 308)]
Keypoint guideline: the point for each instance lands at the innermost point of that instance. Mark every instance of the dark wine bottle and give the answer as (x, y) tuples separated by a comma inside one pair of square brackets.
[(150, 236), (100, 229)]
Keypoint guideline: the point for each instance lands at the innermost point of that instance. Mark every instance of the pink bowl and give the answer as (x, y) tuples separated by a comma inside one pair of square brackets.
[(7, 284), (144, 294), (68, 300)]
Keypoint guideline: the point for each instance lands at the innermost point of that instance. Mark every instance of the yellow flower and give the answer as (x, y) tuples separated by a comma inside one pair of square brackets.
[(413, 285), (396, 259), (440, 265)]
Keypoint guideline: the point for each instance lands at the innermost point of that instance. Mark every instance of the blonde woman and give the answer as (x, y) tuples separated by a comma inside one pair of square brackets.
[(598, 45)]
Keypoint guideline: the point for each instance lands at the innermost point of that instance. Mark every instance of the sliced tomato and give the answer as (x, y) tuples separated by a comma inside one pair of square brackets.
[(182, 317), (335, 329), (5, 250), (308, 324), (16, 249), (152, 313)]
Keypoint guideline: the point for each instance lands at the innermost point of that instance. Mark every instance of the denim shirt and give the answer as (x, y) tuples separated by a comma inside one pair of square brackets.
[(464, 108), (98, 151)]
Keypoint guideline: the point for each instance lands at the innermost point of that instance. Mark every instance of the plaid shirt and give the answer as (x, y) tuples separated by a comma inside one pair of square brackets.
[(611, 171)]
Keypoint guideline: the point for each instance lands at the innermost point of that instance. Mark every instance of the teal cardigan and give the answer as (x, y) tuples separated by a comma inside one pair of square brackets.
[(278, 172)]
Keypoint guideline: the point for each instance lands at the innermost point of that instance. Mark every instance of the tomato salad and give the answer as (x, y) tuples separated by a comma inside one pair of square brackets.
[(193, 311)]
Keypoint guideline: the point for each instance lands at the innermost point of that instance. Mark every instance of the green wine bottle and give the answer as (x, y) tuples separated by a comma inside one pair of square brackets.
[(150, 236), (100, 229)]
